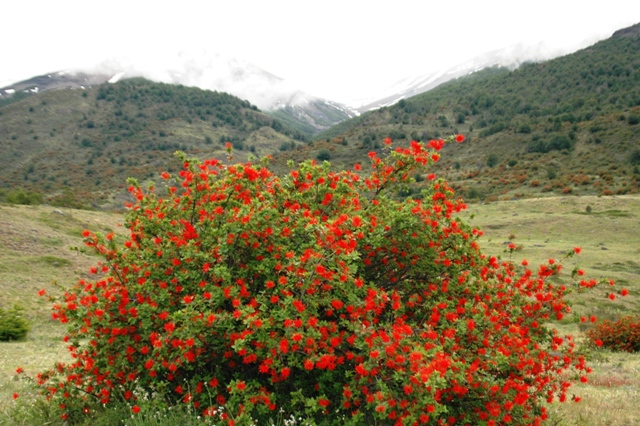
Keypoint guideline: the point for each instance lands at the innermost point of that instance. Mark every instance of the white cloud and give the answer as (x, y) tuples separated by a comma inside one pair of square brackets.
[(338, 49)]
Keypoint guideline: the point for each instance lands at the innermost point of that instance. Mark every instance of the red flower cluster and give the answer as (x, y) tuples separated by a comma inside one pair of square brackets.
[(319, 293), (621, 335)]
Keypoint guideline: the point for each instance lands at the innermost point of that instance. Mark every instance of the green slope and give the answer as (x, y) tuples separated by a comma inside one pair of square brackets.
[(569, 125), (83, 144)]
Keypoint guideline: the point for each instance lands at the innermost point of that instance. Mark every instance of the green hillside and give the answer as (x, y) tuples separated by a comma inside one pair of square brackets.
[(569, 125), (78, 145), (566, 126)]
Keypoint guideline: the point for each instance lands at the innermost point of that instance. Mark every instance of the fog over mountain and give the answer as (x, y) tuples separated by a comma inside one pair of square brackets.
[(206, 70), (510, 57), (311, 113)]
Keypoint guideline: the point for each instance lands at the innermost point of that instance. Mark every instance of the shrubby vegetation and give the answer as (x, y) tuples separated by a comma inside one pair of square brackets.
[(577, 110), (121, 130), (620, 335), (246, 296), (13, 325), (20, 196), (548, 97), (170, 101)]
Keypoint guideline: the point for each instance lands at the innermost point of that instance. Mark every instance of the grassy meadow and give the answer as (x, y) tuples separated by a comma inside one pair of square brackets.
[(609, 236), (35, 254)]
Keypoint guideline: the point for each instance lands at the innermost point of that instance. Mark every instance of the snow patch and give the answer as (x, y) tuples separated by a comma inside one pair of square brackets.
[(10, 91), (116, 77)]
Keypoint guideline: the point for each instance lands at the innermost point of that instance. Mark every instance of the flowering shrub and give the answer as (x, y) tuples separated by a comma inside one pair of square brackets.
[(317, 294), (622, 335)]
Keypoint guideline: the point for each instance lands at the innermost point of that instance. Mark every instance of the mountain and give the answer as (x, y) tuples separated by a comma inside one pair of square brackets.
[(78, 146), (564, 126), (307, 113), (569, 125), (510, 57), (59, 80)]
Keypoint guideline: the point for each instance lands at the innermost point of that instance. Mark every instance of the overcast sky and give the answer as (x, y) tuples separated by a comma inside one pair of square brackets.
[(337, 49)]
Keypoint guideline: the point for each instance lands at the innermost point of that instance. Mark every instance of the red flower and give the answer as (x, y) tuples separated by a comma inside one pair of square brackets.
[(459, 138), (471, 325), (135, 409), (241, 386), (577, 250), (624, 292)]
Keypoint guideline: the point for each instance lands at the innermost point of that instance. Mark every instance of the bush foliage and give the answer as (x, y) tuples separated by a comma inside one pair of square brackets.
[(20, 196), (13, 325), (621, 335), (316, 294)]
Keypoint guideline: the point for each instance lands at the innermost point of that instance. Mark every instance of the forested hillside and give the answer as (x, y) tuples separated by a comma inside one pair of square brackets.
[(569, 125), (77, 146)]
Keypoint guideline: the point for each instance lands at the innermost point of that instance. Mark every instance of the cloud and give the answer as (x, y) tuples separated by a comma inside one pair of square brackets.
[(201, 68)]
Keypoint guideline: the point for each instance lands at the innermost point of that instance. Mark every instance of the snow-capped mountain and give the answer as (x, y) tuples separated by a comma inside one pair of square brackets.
[(216, 72), (309, 114), (510, 57)]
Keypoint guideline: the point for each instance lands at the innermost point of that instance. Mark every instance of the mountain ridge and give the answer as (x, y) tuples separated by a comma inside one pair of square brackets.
[(270, 93), (82, 144), (568, 125)]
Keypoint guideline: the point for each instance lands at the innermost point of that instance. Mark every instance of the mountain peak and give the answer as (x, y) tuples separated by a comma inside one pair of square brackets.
[(632, 31)]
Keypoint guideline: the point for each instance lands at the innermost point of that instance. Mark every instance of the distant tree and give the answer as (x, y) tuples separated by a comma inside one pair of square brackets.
[(560, 142), (492, 160), (324, 155), (13, 325), (633, 119), (524, 128)]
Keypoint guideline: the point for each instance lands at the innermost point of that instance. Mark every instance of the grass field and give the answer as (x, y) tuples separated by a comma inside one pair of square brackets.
[(610, 240), (35, 254)]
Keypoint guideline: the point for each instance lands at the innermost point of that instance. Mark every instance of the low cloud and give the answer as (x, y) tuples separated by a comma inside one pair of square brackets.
[(206, 70)]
